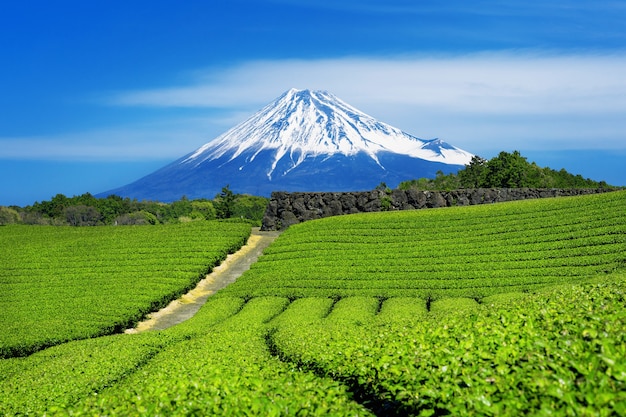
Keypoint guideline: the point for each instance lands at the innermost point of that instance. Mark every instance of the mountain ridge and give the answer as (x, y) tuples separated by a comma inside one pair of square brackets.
[(302, 141)]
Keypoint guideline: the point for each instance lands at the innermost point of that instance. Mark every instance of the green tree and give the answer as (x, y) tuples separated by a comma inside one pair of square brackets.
[(112, 207), (418, 184), (180, 208), (383, 187), (84, 199), (53, 208), (445, 182), (474, 174), (8, 216), (507, 170), (250, 207), (204, 209), (136, 218), (82, 215), (225, 203)]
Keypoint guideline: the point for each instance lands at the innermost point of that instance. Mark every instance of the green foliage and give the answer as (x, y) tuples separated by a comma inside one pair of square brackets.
[(250, 207), (50, 381), (62, 283), (8, 216), (418, 184), (82, 215), (233, 373), (440, 182), (54, 379), (383, 187), (217, 363), (474, 174), (507, 170), (445, 182), (508, 309), (471, 252), (558, 352), (447, 305), (224, 203), (86, 210), (136, 218), (205, 208), (54, 207), (385, 203)]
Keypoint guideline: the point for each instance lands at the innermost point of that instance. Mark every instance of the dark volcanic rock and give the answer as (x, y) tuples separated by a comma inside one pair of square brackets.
[(285, 209)]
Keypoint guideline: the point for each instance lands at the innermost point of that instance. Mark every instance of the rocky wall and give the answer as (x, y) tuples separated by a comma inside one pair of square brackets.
[(285, 209)]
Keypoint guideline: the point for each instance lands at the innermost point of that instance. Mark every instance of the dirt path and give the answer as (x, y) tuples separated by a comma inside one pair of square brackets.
[(227, 272)]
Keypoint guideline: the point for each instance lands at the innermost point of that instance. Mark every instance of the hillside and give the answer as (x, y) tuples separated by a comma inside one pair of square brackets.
[(506, 309), (457, 251)]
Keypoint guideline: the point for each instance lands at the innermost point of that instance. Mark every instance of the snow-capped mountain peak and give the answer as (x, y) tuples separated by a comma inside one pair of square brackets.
[(302, 141), (304, 123)]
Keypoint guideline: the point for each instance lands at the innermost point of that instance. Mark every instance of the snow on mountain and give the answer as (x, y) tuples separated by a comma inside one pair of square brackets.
[(304, 123), (303, 141)]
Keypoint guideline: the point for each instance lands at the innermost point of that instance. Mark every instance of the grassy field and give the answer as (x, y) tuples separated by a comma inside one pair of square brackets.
[(508, 309)]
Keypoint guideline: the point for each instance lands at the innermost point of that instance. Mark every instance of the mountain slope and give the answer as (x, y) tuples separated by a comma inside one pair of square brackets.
[(303, 141)]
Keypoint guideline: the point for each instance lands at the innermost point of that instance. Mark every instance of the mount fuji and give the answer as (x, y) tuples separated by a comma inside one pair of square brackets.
[(303, 141)]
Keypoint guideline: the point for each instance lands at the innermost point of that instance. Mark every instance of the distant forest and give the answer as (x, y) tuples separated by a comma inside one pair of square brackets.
[(87, 210), (507, 170)]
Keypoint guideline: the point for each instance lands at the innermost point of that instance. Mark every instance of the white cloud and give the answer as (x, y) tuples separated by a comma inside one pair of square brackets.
[(504, 100), (483, 103), (499, 83)]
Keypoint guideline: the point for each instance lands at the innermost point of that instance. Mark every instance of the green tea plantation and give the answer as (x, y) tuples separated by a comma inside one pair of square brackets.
[(506, 309)]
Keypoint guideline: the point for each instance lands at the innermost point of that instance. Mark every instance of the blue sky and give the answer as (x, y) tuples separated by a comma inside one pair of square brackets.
[(94, 95)]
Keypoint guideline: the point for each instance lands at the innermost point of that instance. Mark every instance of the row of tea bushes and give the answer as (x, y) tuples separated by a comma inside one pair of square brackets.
[(63, 283), (469, 252), (561, 351)]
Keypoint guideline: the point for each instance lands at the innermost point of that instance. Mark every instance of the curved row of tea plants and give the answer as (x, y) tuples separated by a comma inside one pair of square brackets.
[(454, 252), (558, 352), (259, 348), (217, 363), (63, 283)]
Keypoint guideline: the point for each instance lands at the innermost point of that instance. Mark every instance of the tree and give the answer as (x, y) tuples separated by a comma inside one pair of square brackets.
[(250, 207), (507, 170), (82, 215), (53, 208), (204, 208), (445, 182), (225, 203), (113, 206), (136, 218), (8, 216), (418, 184), (473, 175), (383, 187), (180, 208)]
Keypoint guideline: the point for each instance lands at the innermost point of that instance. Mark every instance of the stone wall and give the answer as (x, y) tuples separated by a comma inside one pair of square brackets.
[(285, 209)]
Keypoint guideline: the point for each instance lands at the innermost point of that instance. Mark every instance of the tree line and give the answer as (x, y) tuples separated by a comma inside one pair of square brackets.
[(87, 210), (507, 170)]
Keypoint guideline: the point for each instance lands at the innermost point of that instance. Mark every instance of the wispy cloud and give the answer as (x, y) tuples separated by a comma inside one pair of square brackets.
[(480, 101), (497, 83), (483, 103)]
